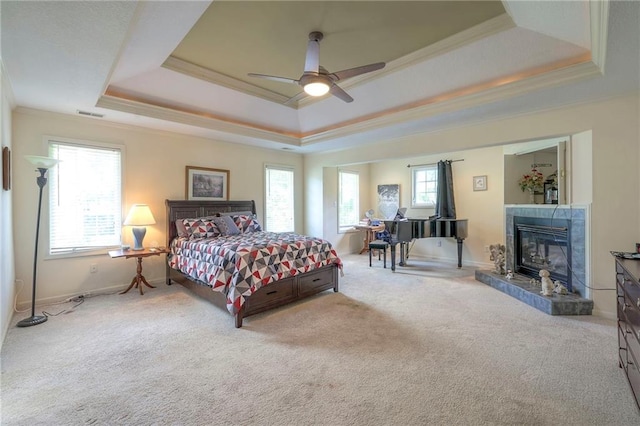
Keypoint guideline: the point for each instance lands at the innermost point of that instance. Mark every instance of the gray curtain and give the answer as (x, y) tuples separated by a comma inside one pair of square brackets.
[(445, 203)]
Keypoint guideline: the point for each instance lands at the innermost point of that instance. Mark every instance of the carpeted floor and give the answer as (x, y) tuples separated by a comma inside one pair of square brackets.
[(427, 345)]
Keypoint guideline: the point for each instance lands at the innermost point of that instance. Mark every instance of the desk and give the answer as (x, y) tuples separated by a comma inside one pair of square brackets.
[(369, 235), (139, 279)]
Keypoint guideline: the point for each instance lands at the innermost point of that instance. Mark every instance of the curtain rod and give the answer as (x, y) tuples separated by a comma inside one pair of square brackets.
[(431, 164)]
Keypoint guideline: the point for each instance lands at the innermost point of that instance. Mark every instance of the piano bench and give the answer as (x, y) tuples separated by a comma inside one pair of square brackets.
[(378, 245)]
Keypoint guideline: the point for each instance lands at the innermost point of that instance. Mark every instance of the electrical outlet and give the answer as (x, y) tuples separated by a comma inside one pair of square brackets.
[(19, 282), (439, 243), (486, 249), (93, 268)]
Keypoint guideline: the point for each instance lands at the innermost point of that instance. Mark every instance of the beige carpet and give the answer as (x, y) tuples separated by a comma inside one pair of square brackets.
[(427, 345)]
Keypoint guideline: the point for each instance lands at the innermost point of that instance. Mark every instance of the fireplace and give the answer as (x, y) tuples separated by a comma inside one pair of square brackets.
[(544, 247), (543, 243)]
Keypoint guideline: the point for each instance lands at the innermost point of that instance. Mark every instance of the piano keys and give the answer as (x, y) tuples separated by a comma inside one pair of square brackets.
[(404, 231)]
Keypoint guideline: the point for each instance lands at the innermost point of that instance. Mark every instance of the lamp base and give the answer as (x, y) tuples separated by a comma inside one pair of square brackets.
[(138, 236), (34, 320)]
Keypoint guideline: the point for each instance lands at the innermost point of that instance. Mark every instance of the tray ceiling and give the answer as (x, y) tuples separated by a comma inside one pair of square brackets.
[(182, 66)]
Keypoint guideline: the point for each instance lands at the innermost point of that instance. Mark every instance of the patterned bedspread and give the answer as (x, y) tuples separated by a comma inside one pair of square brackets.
[(238, 265)]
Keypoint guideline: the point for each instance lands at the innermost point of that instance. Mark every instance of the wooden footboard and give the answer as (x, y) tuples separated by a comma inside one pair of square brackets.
[(269, 297)]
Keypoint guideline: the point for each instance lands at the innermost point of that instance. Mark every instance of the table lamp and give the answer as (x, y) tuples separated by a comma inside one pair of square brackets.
[(43, 164), (139, 216)]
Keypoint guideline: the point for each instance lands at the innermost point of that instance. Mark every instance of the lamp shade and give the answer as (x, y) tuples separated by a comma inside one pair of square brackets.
[(140, 215), (42, 162)]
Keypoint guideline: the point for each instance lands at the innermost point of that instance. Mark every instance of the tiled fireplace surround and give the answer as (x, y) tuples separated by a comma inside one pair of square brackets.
[(577, 216), (577, 303)]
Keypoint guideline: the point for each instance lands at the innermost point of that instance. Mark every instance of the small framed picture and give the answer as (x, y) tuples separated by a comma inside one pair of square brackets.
[(206, 184), (480, 183)]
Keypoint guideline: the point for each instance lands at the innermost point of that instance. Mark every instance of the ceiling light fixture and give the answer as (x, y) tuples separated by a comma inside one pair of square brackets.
[(316, 88)]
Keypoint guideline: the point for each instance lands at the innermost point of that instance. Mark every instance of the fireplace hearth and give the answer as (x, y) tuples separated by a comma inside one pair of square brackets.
[(552, 237)]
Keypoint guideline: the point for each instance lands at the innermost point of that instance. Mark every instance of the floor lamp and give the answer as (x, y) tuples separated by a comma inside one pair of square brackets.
[(43, 164)]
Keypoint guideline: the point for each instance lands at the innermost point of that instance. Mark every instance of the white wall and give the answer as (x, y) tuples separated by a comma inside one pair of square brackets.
[(154, 171), (7, 271), (615, 154)]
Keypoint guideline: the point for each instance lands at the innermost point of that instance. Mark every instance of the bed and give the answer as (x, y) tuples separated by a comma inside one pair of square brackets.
[(246, 273)]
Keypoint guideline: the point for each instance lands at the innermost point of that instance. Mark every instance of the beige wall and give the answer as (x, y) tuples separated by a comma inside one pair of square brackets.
[(7, 271), (154, 171), (614, 156)]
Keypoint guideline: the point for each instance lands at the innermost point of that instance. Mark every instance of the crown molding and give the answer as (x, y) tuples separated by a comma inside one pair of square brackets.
[(196, 71), (459, 100), (562, 73), (113, 102)]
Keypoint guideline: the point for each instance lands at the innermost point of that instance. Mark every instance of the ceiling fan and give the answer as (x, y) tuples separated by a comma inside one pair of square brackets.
[(316, 80)]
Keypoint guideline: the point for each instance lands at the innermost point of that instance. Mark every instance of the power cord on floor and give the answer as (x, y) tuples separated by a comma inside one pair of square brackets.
[(79, 300)]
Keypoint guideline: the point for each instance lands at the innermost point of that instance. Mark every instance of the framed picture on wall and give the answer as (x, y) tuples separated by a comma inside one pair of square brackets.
[(202, 183), (480, 183), (388, 200)]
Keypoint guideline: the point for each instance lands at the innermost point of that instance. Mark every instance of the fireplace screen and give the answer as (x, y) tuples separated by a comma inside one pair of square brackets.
[(539, 245)]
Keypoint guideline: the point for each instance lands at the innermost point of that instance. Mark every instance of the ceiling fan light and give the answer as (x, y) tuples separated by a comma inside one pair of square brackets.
[(316, 88)]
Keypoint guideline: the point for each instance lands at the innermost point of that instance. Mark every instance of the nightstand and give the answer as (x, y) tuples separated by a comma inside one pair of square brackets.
[(139, 279)]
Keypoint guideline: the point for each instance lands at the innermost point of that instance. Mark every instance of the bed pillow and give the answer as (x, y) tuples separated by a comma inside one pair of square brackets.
[(182, 231), (247, 223), (226, 225), (200, 228)]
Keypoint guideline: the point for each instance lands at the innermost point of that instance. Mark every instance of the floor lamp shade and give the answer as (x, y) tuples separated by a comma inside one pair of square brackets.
[(139, 216), (43, 164)]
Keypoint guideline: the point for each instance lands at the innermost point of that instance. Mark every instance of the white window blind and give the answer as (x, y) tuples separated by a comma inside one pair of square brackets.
[(348, 199), (85, 197), (424, 186), (279, 199)]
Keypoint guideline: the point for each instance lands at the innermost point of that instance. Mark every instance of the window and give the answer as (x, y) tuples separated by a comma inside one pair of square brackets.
[(85, 197), (279, 202), (348, 199), (424, 186)]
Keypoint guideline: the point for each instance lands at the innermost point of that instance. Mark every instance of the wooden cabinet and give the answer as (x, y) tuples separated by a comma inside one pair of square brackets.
[(628, 295)]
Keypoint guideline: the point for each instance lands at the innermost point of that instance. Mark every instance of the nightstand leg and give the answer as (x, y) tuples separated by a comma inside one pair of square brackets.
[(138, 280)]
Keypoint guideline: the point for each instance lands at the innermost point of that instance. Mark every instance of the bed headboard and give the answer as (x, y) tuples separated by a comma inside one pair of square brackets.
[(182, 209)]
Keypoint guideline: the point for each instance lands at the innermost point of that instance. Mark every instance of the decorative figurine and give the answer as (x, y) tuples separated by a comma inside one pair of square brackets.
[(560, 288), (546, 283), (498, 257), (509, 274)]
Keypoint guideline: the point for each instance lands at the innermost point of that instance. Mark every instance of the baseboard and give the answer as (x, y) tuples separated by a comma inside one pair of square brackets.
[(89, 293)]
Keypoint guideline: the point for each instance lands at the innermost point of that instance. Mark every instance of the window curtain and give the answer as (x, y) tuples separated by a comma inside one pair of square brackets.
[(445, 202)]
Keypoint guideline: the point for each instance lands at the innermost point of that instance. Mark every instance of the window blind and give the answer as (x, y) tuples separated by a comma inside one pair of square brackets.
[(85, 197)]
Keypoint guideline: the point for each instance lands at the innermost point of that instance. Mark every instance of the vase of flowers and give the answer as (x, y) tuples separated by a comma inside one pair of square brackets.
[(531, 182)]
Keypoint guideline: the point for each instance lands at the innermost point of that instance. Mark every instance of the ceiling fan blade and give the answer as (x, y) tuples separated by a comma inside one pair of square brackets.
[(274, 78), (296, 98), (339, 93), (352, 72), (312, 61)]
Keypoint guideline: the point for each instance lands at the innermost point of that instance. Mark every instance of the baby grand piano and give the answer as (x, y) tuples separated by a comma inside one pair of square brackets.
[(403, 231)]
